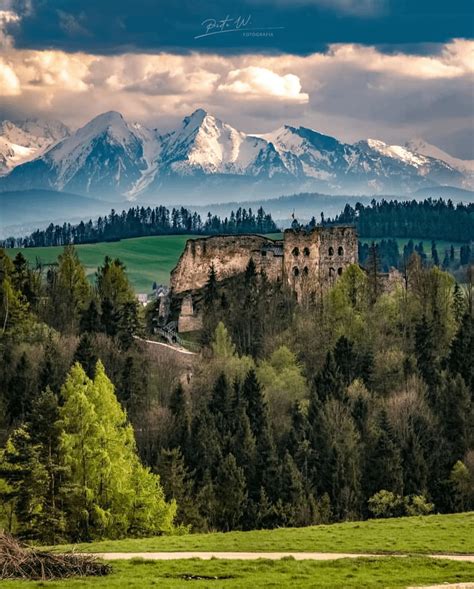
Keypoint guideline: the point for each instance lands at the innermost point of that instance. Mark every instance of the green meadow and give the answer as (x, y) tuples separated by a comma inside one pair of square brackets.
[(373, 573), (147, 259), (452, 533)]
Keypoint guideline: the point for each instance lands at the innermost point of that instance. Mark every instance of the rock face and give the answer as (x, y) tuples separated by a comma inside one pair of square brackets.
[(308, 261)]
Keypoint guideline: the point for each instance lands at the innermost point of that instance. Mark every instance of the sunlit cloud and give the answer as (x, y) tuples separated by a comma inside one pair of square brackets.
[(261, 82), (350, 91)]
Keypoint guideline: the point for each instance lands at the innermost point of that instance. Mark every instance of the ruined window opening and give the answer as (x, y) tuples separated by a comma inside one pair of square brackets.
[(306, 251), (296, 251), (332, 272), (340, 250), (339, 271), (331, 251), (305, 270), (296, 271), (264, 253)]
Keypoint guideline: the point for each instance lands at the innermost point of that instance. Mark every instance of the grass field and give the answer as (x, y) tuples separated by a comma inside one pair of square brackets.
[(147, 259), (388, 573), (427, 534)]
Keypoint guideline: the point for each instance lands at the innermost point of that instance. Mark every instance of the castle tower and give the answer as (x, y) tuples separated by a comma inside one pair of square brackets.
[(313, 259)]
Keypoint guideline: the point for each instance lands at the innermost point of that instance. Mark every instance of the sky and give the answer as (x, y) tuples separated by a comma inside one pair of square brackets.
[(388, 69)]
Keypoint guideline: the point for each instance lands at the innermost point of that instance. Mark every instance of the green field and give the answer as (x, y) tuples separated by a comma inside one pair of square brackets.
[(422, 535), (388, 573), (147, 259)]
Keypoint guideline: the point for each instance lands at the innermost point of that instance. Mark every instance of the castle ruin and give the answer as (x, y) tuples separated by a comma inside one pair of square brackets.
[(308, 260)]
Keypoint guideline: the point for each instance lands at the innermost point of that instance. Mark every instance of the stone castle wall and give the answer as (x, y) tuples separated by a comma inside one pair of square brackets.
[(307, 260), (229, 254)]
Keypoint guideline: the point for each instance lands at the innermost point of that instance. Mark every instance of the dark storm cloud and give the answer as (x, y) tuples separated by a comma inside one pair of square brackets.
[(115, 26)]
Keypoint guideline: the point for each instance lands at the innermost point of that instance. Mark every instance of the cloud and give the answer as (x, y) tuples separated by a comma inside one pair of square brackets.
[(7, 18), (9, 82), (253, 81), (350, 91)]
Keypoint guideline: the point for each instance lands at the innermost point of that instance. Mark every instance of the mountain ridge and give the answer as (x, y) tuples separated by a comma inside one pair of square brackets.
[(206, 157)]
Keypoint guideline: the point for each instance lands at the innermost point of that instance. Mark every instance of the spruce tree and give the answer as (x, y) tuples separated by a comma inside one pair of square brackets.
[(85, 354), (383, 461), (230, 493), (330, 382), (179, 408)]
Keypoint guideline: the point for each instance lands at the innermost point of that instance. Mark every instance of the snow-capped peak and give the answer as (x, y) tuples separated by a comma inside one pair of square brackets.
[(419, 145), (108, 155), (395, 152), (21, 141), (111, 123)]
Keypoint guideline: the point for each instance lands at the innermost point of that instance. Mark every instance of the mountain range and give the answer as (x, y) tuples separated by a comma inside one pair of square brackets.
[(207, 160)]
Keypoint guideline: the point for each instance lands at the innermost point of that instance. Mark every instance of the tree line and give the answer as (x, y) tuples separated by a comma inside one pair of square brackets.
[(354, 403), (141, 222), (428, 219)]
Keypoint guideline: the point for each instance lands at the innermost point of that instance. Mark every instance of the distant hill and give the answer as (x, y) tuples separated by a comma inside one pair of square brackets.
[(446, 192), (24, 211)]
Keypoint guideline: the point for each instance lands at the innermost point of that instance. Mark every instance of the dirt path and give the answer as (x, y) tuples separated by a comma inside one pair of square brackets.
[(176, 348), (267, 555)]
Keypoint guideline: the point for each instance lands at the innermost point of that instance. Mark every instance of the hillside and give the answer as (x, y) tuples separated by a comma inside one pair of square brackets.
[(422, 535)]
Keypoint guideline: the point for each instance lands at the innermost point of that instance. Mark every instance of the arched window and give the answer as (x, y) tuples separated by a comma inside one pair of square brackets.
[(339, 271), (332, 272), (306, 251), (296, 251), (340, 250), (305, 271), (296, 271), (331, 251)]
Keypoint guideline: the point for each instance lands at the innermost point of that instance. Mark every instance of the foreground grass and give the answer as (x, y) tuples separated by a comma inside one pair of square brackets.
[(390, 573), (452, 533), (147, 259)]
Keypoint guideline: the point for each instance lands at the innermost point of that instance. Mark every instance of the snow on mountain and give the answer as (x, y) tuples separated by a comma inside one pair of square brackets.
[(23, 140), (423, 147), (109, 156), (204, 144)]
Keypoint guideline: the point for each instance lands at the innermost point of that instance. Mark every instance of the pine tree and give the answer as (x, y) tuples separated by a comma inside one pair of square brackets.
[(178, 486), (230, 492), (461, 357), (85, 354), (90, 318), (256, 406), (383, 463), (345, 359), (373, 274), (425, 355), (459, 303), (330, 382), (128, 324), (181, 419)]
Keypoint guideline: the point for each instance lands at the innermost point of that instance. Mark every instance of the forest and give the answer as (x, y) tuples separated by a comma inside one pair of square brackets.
[(428, 219), (356, 404), (141, 222)]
